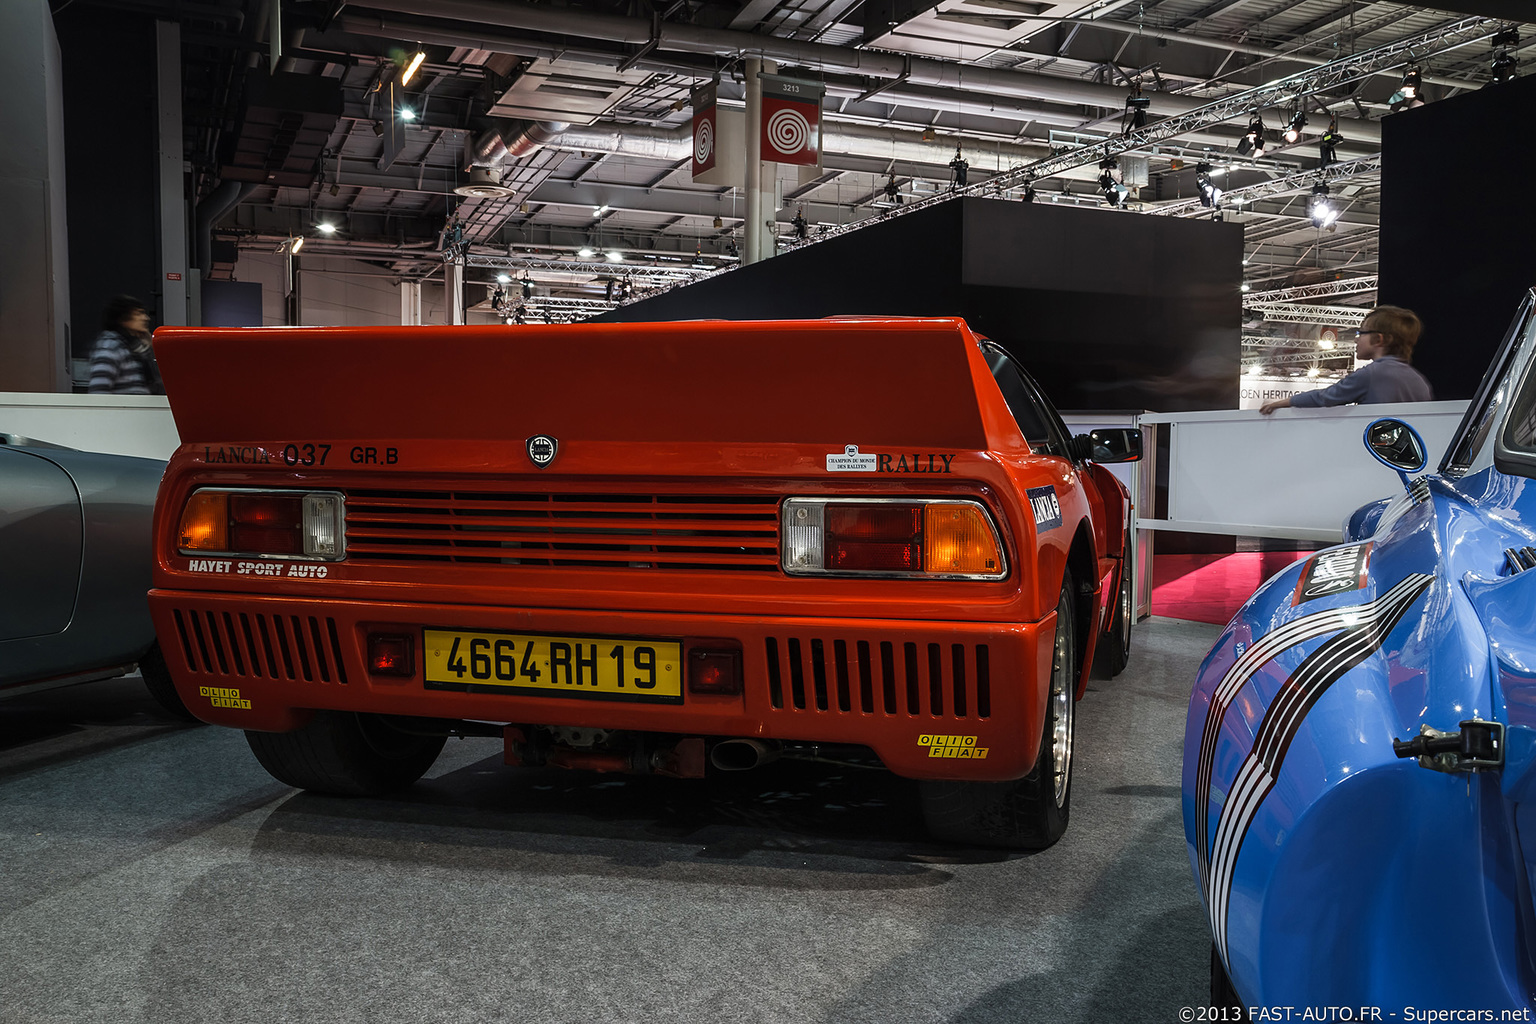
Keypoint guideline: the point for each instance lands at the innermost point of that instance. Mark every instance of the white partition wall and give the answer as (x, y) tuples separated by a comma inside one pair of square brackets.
[(1296, 473), (114, 424)]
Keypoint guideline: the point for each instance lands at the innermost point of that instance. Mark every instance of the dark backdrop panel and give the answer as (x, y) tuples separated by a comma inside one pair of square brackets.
[(109, 159), (1107, 310), (1457, 253), (231, 304), (908, 266)]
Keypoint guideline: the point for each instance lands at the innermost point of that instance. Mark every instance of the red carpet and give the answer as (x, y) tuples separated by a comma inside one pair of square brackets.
[(1210, 588)]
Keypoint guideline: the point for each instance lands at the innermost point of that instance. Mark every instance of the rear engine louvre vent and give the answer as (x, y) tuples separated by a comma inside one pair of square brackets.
[(1517, 560), (292, 647), (911, 679), (611, 531)]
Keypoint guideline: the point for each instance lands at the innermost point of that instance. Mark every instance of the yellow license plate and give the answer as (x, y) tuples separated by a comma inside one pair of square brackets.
[(606, 668)]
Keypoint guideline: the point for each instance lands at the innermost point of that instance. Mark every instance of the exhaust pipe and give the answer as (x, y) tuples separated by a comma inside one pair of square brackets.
[(740, 755)]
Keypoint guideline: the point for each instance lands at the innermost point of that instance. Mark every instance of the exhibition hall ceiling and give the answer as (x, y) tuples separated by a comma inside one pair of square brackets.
[(580, 113)]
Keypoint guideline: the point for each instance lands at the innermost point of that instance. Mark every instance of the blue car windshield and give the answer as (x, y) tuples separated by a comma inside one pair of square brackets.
[(1492, 395)]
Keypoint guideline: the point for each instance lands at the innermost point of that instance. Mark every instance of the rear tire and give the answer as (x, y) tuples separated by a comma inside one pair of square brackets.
[(346, 754), (1029, 813), (157, 680)]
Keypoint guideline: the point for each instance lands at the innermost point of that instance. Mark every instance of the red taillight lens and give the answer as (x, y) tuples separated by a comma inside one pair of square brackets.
[(714, 671), (874, 537), (267, 523), (391, 654)]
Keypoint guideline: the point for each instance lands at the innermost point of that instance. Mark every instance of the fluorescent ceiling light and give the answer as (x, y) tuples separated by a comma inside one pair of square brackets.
[(410, 69)]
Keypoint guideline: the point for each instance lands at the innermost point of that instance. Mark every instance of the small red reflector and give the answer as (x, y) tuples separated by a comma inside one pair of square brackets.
[(714, 671), (391, 654), (874, 537)]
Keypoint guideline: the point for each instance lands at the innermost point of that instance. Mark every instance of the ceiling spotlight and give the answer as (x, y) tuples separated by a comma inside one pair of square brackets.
[(1245, 287), (407, 114), (1293, 130), (1504, 42), (1313, 371), (295, 243), (1328, 143), (1114, 192), (586, 252), (503, 278), (1411, 92), (1029, 193), (325, 227), (614, 256), (1252, 142), (410, 69), (1326, 344), (719, 223), (1210, 195), (1136, 108), (1322, 212)]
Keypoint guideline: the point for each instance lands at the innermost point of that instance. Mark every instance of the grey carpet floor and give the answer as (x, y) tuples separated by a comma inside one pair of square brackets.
[(154, 873)]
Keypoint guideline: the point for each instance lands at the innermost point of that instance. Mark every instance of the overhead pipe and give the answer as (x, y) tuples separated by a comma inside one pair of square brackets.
[(899, 91), (918, 71)]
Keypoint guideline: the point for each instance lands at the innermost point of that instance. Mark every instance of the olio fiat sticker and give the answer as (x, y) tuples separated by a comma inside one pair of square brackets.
[(952, 746), (541, 449), (1047, 509), (1335, 571), (850, 461), (224, 697)]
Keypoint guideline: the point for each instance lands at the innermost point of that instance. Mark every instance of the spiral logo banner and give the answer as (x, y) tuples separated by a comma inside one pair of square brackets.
[(704, 130), (791, 132)]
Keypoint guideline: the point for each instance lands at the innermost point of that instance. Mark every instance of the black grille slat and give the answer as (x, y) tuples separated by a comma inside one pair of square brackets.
[(866, 680), (616, 531), (300, 648), (218, 643), (186, 645), (338, 660), (234, 644), (266, 643), (796, 675), (775, 681), (909, 658), (983, 683), (840, 663), (319, 649), (958, 653), (819, 673), (282, 645), (888, 675), (250, 645), (935, 680)]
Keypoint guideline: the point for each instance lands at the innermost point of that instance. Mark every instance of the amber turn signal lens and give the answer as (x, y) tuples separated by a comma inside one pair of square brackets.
[(957, 538), (205, 522)]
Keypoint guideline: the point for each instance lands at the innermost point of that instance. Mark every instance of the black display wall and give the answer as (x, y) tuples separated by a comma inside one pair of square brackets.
[(110, 168), (1108, 310), (1456, 226)]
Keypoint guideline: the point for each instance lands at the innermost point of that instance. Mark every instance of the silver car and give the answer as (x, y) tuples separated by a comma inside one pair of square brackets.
[(75, 530)]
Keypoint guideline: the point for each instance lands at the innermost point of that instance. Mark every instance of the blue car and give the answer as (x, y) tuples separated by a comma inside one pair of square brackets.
[(1360, 754)]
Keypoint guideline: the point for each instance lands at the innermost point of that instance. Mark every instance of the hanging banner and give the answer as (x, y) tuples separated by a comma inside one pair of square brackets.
[(791, 120), (706, 135)]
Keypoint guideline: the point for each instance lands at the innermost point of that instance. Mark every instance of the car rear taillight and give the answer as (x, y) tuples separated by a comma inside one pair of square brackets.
[(921, 537), (277, 524)]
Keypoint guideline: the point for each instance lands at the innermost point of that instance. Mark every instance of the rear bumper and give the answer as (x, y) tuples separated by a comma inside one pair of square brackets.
[(264, 663)]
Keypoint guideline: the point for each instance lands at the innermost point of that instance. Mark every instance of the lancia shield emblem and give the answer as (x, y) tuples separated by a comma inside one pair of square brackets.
[(541, 449)]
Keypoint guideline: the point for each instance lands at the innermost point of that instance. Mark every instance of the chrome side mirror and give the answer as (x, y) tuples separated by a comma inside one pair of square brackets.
[(1394, 443)]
